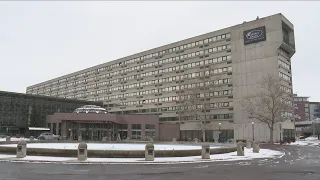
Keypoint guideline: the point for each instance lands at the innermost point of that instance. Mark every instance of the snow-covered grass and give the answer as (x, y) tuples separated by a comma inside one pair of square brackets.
[(16, 139), (310, 141), (249, 155), (116, 146)]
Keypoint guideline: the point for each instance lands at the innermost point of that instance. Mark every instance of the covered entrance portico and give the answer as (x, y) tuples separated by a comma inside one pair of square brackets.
[(94, 123), (95, 130)]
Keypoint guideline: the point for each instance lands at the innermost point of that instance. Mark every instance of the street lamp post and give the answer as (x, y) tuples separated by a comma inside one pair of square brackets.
[(280, 132), (219, 132), (252, 131)]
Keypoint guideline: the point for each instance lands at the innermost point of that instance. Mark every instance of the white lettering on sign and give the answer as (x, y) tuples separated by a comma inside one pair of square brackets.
[(254, 34)]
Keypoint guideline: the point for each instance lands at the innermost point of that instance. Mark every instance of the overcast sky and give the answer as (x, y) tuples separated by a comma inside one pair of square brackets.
[(43, 40)]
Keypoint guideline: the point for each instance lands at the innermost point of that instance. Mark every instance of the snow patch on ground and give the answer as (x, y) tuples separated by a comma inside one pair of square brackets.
[(16, 139), (249, 155), (107, 146), (310, 141)]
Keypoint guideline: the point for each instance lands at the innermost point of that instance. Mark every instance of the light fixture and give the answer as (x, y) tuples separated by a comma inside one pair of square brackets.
[(252, 122)]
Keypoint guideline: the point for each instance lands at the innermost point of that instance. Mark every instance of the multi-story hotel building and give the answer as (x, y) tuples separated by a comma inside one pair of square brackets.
[(149, 82)]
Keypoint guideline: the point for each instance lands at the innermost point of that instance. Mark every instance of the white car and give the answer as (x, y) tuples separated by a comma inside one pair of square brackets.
[(48, 136)]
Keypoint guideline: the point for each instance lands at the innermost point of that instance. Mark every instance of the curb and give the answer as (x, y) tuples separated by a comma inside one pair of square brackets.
[(142, 162), (92, 163)]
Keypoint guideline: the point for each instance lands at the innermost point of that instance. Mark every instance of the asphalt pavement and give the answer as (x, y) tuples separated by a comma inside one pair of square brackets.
[(298, 163)]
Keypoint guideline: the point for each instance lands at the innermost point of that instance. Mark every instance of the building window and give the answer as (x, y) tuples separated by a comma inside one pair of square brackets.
[(306, 105), (136, 131), (150, 130), (285, 35)]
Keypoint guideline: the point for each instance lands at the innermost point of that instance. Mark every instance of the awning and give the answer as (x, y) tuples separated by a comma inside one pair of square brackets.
[(39, 129)]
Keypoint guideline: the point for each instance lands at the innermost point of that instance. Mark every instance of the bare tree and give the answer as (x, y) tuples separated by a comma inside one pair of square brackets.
[(270, 105), (194, 99)]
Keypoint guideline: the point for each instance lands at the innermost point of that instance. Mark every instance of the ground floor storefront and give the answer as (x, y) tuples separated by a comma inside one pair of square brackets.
[(93, 126)]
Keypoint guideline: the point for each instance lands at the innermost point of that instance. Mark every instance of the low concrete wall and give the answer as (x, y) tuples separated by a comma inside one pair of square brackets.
[(111, 153)]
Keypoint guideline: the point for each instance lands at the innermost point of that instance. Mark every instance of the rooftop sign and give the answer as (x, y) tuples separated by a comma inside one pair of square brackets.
[(254, 35)]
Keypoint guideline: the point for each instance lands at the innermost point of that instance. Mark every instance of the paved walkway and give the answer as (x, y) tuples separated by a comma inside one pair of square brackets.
[(299, 163)]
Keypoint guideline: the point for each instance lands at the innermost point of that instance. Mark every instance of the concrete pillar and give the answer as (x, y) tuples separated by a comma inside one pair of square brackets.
[(64, 130), (22, 149), (8, 139), (205, 152), (129, 131), (51, 127), (149, 152), (143, 132), (57, 129), (248, 144), (82, 151), (256, 146), (240, 148)]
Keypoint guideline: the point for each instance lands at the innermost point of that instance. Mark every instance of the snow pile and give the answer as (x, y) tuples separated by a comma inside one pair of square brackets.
[(310, 141), (107, 146), (16, 139), (249, 155)]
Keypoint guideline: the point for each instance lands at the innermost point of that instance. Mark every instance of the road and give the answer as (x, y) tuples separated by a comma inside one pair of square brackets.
[(299, 163)]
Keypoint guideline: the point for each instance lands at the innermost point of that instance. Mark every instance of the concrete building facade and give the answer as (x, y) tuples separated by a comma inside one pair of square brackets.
[(149, 82)]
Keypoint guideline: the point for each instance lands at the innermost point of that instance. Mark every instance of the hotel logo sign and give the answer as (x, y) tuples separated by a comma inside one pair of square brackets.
[(254, 35)]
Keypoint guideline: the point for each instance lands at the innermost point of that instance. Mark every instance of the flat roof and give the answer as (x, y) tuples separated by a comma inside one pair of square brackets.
[(33, 96)]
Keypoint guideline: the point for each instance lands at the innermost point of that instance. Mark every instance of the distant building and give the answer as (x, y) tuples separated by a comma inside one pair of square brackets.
[(314, 109), (20, 111), (304, 109), (301, 105)]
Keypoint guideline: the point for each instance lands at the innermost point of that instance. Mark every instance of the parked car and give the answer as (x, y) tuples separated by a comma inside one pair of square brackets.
[(48, 136), (302, 138)]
